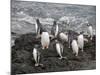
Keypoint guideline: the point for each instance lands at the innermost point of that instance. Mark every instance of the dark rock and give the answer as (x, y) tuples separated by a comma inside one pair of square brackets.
[(23, 62)]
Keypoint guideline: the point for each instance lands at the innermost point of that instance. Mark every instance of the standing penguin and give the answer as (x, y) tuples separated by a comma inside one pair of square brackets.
[(45, 40), (54, 29), (80, 41), (59, 48), (90, 31), (45, 37), (75, 47), (36, 56)]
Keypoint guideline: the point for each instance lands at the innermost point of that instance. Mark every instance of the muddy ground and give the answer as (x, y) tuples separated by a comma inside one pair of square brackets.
[(22, 60)]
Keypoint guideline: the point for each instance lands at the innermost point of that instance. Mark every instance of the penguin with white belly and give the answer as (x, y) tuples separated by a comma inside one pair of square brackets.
[(75, 47), (90, 31), (59, 49), (36, 56), (44, 35), (80, 40), (54, 29), (45, 40)]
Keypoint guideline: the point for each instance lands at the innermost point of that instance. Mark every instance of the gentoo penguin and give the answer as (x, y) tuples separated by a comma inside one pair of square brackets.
[(43, 34), (75, 47), (45, 40), (39, 27), (36, 56), (90, 31), (80, 40), (54, 29), (59, 49), (63, 37)]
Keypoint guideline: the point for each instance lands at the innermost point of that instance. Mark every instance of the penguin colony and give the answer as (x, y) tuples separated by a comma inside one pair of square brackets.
[(77, 43)]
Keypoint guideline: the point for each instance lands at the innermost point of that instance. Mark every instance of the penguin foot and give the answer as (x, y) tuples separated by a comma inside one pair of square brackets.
[(36, 64), (60, 58), (46, 47), (76, 55), (63, 58), (41, 65)]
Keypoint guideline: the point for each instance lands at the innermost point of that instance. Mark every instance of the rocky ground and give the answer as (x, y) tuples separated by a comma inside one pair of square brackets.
[(22, 60)]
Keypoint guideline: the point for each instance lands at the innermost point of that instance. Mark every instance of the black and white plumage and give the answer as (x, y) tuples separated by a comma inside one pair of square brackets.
[(39, 27), (45, 40), (80, 41), (63, 37), (44, 35), (90, 31), (55, 29), (71, 36), (75, 47), (59, 49), (36, 56)]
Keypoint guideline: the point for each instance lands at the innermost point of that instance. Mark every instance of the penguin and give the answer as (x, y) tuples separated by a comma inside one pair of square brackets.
[(36, 56), (63, 37), (39, 27), (90, 31), (80, 40), (59, 49), (44, 35), (54, 29), (75, 47), (45, 40)]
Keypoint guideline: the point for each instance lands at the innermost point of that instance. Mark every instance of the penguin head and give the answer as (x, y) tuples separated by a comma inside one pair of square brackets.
[(81, 32), (54, 23), (89, 24), (37, 21)]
